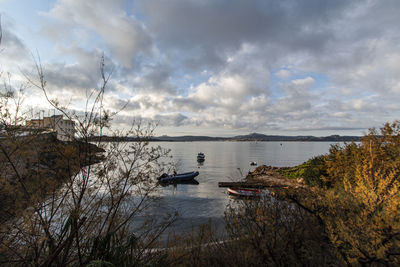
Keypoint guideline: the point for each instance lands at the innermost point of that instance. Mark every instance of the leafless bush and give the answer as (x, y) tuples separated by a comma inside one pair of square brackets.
[(85, 211)]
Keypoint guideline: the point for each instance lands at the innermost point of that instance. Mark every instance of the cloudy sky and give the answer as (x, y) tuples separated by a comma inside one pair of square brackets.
[(216, 67)]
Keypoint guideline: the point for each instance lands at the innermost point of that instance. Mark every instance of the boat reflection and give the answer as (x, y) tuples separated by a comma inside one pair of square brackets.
[(193, 181)]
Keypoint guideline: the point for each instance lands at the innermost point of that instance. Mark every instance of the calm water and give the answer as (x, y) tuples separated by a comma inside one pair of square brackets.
[(225, 161)]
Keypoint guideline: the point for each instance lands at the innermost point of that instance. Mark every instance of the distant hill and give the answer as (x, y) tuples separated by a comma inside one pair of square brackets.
[(263, 137), (260, 137), (186, 138), (238, 138)]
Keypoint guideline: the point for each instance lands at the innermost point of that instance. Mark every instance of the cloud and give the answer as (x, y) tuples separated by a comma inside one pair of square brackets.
[(210, 31), (234, 85), (176, 119), (239, 65), (283, 74), (122, 33), (155, 78), (13, 49)]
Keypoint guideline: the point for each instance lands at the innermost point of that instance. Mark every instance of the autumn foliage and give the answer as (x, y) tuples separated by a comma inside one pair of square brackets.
[(349, 214), (360, 207), (363, 213)]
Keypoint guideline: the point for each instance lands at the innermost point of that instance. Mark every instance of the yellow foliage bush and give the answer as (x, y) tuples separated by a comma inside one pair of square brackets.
[(363, 214)]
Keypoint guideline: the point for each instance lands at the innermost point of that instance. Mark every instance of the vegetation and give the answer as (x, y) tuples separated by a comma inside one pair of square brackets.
[(311, 171), (60, 208), (272, 232), (363, 214), (360, 208), (260, 233), (348, 215)]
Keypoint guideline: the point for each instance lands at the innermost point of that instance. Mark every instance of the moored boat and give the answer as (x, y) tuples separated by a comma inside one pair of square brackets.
[(244, 192), (187, 176), (201, 157)]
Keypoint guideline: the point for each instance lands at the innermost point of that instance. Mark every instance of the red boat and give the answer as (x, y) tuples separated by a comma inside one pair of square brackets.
[(244, 192)]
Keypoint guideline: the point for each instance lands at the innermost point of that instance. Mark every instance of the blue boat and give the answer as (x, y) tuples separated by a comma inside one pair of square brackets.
[(176, 178)]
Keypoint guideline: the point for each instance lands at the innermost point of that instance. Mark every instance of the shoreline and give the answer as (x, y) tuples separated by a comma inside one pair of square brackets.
[(280, 186), (269, 175), (39, 168)]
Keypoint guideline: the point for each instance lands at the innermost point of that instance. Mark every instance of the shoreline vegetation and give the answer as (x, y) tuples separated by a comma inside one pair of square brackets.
[(352, 192)]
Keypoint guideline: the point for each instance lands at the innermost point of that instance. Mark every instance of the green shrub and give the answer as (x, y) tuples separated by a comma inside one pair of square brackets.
[(312, 171), (315, 171)]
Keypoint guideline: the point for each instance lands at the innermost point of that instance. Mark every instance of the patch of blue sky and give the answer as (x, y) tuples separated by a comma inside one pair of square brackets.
[(274, 84), (21, 10), (26, 24), (321, 81), (184, 80), (133, 8)]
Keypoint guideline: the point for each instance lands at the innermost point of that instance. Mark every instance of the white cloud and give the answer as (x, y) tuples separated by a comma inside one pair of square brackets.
[(124, 35), (283, 74), (232, 87), (305, 83)]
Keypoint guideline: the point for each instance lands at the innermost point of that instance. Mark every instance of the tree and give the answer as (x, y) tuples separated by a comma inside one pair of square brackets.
[(340, 164)]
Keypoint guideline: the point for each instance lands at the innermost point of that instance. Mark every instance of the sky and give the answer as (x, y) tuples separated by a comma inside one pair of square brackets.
[(214, 67)]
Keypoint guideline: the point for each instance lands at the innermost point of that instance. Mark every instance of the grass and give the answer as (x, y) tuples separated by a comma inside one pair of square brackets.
[(310, 171)]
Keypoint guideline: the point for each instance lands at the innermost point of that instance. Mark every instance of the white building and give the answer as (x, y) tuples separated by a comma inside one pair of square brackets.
[(65, 129)]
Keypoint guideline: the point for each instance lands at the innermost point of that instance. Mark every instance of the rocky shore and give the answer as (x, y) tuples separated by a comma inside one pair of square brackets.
[(33, 166), (271, 176), (284, 188)]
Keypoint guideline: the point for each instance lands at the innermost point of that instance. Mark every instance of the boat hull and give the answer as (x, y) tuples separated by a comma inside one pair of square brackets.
[(244, 192), (201, 157), (183, 177)]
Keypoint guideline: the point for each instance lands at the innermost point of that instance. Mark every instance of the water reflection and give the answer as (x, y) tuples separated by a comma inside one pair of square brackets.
[(226, 161), (193, 182)]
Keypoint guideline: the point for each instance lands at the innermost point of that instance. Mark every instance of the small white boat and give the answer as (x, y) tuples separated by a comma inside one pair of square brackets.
[(201, 157), (244, 192)]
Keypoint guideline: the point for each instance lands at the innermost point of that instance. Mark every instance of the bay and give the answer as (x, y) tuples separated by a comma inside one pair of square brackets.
[(225, 161)]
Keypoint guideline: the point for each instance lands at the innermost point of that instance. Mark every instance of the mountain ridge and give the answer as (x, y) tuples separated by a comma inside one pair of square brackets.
[(238, 138), (261, 137)]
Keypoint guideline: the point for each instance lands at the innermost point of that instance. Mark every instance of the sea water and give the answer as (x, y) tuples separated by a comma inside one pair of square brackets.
[(224, 161)]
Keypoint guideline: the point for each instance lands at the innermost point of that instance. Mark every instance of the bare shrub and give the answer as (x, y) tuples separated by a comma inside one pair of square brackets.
[(83, 197)]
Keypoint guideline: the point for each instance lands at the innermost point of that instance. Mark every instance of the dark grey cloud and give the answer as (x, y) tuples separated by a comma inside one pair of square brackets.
[(171, 119), (188, 104), (211, 29), (155, 78), (126, 106), (66, 81), (13, 50), (12, 46)]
